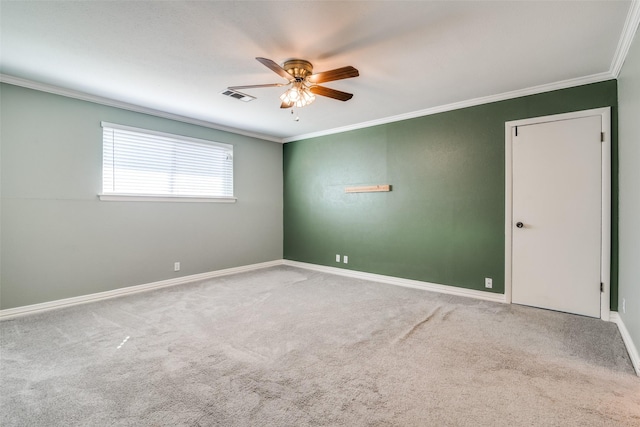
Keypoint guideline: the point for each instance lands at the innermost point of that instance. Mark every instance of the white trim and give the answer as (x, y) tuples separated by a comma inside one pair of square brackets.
[(594, 78), (605, 242), (67, 302), (397, 281), (433, 287), (508, 203), (69, 93), (634, 355), (628, 33), (605, 261), (173, 199)]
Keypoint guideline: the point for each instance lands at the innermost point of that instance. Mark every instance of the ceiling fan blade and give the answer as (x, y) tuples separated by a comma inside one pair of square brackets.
[(275, 68), (337, 74), (331, 93), (257, 86)]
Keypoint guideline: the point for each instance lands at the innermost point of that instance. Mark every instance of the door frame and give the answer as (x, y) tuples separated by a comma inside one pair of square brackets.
[(605, 249)]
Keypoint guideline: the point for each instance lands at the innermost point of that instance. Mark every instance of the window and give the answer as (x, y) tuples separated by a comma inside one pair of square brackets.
[(142, 164)]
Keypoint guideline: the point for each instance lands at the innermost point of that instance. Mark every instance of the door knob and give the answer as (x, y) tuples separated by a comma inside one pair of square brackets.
[(519, 224)]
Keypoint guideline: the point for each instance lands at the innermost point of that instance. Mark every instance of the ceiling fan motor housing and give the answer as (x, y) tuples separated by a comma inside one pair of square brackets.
[(298, 68)]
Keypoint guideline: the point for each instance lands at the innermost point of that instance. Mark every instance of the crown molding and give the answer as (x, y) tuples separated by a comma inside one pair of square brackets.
[(57, 90), (626, 38), (29, 84), (594, 78)]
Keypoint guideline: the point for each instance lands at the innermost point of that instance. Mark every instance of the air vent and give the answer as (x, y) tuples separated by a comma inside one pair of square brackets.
[(238, 95)]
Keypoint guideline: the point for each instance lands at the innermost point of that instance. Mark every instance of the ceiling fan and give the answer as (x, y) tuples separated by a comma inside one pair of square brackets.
[(303, 83)]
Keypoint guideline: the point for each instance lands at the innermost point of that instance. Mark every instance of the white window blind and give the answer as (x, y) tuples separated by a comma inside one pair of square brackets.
[(138, 162)]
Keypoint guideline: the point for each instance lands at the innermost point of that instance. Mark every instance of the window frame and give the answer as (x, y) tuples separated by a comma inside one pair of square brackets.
[(130, 197)]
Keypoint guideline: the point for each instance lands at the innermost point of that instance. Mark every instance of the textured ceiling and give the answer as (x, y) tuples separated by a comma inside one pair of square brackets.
[(176, 57)]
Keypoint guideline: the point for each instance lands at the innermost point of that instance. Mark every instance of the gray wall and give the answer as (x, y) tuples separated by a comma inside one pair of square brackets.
[(629, 195), (59, 241)]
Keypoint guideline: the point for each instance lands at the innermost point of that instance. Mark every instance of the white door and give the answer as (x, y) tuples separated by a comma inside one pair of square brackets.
[(557, 215)]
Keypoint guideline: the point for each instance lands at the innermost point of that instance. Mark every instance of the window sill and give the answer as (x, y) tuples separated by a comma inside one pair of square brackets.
[(171, 199)]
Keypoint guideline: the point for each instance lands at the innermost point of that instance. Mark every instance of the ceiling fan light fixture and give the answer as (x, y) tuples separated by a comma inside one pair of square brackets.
[(298, 95)]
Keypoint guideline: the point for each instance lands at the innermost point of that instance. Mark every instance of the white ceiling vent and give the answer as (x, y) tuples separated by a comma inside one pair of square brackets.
[(238, 95)]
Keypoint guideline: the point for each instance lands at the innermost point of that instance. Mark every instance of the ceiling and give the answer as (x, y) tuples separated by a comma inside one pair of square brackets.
[(175, 58)]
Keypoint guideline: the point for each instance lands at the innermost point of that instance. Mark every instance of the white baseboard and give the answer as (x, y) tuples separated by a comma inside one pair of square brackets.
[(407, 283), (35, 308), (416, 284), (452, 290), (67, 302), (628, 342)]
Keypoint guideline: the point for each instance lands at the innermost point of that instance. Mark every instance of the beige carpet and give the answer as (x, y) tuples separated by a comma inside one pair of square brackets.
[(290, 347)]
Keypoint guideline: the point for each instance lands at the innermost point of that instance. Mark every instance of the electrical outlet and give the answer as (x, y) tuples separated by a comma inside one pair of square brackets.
[(624, 306), (488, 282), (176, 266), (346, 259), (337, 258)]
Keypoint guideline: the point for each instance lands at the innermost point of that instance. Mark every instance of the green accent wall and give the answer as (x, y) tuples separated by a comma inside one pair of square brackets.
[(443, 221)]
